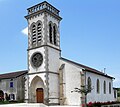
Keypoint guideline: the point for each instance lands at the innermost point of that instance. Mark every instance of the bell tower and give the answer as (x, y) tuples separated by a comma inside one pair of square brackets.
[(43, 53)]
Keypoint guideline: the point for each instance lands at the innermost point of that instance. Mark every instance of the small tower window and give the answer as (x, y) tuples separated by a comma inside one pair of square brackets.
[(50, 32), (98, 86), (39, 32), (33, 34), (89, 84), (54, 35)]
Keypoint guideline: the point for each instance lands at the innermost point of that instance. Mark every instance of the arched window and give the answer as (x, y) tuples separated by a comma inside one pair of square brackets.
[(39, 32), (50, 33), (104, 87), (12, 96), (33, 34), (55, 35), (98, 86), (89, 83), (109, 88), (115, 94)]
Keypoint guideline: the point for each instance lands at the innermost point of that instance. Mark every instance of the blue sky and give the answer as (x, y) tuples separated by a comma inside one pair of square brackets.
[(90, 33)]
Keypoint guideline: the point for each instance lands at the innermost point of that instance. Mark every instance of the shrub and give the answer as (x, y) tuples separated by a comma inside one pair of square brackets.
[(99, 104)]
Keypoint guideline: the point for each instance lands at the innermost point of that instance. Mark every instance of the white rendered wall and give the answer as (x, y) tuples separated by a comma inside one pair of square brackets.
[(100, 97), (42, 67), (53, 88), (53, 68), (53, 54), (53, 60), (72, 80), (5, 86)]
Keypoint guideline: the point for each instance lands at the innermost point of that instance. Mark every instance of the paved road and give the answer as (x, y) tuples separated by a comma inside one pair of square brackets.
[(23, 105), (30, 105)]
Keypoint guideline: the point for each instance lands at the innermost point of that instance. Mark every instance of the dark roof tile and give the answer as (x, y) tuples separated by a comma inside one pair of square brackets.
[(12, 74), (88, 68)]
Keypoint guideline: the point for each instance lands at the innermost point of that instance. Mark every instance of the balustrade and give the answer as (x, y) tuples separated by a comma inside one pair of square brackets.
[(43, 5)]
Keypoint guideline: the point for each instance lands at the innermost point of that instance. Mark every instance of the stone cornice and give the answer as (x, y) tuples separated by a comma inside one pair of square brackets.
[(43, 11), (43, 46), (43, 72)]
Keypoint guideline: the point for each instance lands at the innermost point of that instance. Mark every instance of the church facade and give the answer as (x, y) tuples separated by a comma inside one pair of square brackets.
[(52, 79)]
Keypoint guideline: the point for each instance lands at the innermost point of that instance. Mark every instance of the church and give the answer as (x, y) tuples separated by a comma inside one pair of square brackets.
[(50, 78)]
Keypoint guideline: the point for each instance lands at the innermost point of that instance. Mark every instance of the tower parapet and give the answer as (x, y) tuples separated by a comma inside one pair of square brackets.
[(42, 7)]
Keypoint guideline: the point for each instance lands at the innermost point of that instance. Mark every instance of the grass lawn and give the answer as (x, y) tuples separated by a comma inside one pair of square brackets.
[(8, 102)]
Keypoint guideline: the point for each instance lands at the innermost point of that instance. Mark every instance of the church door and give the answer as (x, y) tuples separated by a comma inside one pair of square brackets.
[(39, 95)]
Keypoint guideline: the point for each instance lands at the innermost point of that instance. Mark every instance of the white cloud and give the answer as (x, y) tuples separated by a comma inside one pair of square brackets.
[(25, 31)]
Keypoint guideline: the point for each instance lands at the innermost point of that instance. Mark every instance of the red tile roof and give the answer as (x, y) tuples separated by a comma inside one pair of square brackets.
[(12, 74), (88, 68)]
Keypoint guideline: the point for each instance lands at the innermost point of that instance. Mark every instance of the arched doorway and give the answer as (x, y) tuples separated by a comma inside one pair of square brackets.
[(39, 95), (36, 91), (7, 97), (1, 95)]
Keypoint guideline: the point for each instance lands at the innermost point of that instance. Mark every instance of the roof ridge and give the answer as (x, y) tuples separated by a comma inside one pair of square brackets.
[(80, 64), (14, 72), (87, 68)]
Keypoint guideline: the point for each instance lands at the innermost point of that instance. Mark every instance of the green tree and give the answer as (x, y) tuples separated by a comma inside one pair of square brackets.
[(85, 90)]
